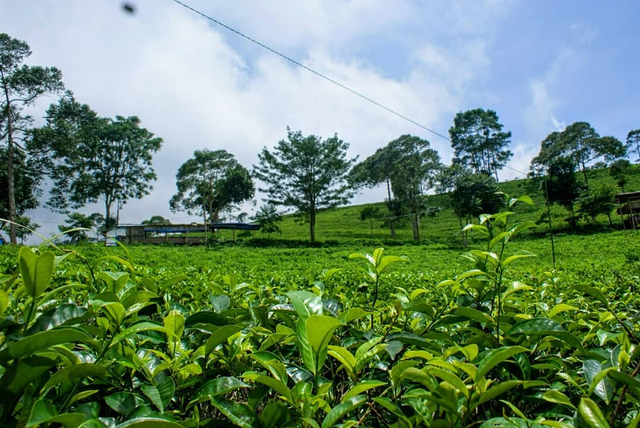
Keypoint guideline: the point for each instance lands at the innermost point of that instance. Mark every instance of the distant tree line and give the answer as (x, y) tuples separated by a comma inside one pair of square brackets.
[(88, 158)]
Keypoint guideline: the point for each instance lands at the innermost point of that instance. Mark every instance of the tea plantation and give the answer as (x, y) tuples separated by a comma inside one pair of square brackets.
[(342, 334)]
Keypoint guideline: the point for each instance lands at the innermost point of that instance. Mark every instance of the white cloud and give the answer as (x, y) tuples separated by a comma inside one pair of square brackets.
[(541, 115), (198, 86)]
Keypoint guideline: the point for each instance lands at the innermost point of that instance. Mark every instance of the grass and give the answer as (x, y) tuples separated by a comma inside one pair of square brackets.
[(343, 224)]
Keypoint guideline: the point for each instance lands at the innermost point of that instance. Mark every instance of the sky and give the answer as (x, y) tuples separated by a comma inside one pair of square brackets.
[(541, 65)]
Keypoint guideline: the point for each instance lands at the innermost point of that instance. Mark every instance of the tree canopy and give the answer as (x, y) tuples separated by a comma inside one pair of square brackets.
[(210, 182), (268, 218), (579, 142), (76, 220), (25, 184), (561, 186), (306, 173), (478, 141), (91, 158), (157, 219), (633, 143), (474, 194), (20, 87), (409, 167)]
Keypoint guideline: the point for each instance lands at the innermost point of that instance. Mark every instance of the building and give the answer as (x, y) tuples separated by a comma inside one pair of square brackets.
[(629, 209), (185, 234)]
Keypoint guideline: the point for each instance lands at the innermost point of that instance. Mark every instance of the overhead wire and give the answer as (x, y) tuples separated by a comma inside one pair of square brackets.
[(317, 73)]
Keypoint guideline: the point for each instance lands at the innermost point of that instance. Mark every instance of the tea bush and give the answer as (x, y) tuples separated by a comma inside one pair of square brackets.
[(133, 338)]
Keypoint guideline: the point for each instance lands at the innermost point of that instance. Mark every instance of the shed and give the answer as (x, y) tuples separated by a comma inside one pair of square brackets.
[(629, 209), (172, 233)]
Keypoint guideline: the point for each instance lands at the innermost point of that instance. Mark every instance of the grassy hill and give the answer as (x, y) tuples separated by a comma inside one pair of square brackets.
[(344, 224)]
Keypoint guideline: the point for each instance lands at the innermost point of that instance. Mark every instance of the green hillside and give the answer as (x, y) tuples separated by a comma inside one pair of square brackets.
[(344, 224)]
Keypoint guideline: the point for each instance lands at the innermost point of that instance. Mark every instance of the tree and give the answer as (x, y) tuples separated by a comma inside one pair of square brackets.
[(20, 87), (472, 195), (579, 142), (209, 182), (618, 170), (479, 142), (90, 158), (598, 201), (268, 219), (24, 229), (77, 220), (26, 190), (370, 213), (414, 173), (633, 143), (409, 168), (157, 219), (375, 170), (561, 186), (306, 173)]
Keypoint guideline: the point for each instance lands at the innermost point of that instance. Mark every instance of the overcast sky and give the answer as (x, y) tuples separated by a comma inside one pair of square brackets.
[(540, 64)]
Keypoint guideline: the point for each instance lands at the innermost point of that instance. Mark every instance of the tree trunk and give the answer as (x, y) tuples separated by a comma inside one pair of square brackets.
[(312, 224), (464, 234), (391, 225), (107, 219), (206, 232), (10, 172), (11, 184), (415, 223), (573, 218)]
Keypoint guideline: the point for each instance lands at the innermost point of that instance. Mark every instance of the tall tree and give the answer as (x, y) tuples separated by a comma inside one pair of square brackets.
[(561, 186), (306, 173), (409, 167), (210, 182), (77, 220), (633, 143), (90, 158), (268, 218), (618, 170), (375, 170), (20, 87), (478, 141), (471, 194), (25, 184), (579, 142), (600, 200), (414, 173)]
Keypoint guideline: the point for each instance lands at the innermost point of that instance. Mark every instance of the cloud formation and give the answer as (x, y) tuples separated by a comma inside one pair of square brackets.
[(197, 85)]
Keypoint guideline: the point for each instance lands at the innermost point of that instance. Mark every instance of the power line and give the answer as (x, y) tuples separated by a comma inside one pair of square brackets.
[(346, 88)]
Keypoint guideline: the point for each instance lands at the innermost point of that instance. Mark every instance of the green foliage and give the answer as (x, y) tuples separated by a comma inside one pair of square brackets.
[(20, 87), (90, 158), (25, 227), (26, 183), (268, 219), (157, 219), (409, 168), (472, 195), (633, 144), (478, 141), (619, 171), (77, 226), (210, 182), (494, 340), (561, 186), (306, 173), (580, 143), (600, 200)]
